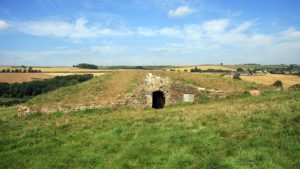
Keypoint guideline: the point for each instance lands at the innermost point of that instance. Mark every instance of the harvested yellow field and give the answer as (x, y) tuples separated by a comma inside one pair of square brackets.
[(58, 69), (202, 67), (67, 70), (67, 74), (26, 77), (22, 77), (269, 79)]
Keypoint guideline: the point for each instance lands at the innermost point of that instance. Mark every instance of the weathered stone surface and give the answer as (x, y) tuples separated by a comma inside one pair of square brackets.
[(155, 83), (188, 98), (254, 92)]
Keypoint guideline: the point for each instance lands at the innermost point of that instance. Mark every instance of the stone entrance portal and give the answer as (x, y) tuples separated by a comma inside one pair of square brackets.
[(158, 100)]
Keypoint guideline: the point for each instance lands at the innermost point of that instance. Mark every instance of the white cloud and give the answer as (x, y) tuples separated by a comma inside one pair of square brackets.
[(181, 11), (3, 24), (216, 26), (76, 30), (146, 31), (171, 32), (99, 54)]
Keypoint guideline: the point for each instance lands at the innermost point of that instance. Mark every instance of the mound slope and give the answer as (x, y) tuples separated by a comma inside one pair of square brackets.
[(111, 88)]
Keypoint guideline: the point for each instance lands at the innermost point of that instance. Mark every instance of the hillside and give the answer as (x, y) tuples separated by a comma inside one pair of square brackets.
[(109, 89), (241, 132)]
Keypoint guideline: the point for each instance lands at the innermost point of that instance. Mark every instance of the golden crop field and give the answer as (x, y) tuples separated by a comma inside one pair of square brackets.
[(26, 77), (68, 70), (67, 74), (58, 69), (22, 77), (269, 79), (202, 67)]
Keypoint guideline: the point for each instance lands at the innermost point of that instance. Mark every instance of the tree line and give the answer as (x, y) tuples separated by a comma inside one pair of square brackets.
[(22, 70), (86, 66), (209, 70), (34, 88)]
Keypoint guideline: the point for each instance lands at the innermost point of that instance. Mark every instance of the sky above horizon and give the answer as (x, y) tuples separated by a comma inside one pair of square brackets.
[(149, 32)]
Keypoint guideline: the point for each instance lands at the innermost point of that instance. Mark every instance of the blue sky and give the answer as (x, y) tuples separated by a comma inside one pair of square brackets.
[(149, 32)]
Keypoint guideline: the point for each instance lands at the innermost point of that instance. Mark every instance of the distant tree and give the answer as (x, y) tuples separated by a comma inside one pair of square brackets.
[(139, 67), (13, 71), (236, 77), (40, 71), (23, 66), (195, 70), (16, 70), (185, 70), (86, 66), (239, 69), (3, 70), (30, 69), (278, 84), (7, 70), (221, 64), (24, 70)]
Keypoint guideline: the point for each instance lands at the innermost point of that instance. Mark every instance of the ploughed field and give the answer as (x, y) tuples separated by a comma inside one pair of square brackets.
[(238, 132)]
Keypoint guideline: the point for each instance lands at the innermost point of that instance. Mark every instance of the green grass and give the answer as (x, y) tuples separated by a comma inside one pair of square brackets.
[(240, 132)]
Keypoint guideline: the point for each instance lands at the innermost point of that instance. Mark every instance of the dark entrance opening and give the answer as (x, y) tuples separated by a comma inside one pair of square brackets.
[(158, 100)]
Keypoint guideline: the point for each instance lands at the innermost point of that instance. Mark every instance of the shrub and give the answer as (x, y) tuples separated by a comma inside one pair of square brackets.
[(295, 87), (278, 84), (236, 77), (239, 69)]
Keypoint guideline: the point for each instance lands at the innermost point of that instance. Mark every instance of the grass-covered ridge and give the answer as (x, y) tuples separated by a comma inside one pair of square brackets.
[(241, 132), (108, 89)]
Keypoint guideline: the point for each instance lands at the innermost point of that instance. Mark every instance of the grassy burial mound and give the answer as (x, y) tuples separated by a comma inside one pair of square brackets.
[(240, 132), (111, 88), (100, 91)]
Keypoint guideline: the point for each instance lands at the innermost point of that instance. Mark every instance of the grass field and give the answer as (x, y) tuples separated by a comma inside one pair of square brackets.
[(202, 67), (241, 132), (269, 79)]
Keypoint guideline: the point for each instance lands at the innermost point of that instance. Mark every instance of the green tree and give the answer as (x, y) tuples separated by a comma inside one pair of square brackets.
[(236, 77), (278, 84), (239, 69)]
